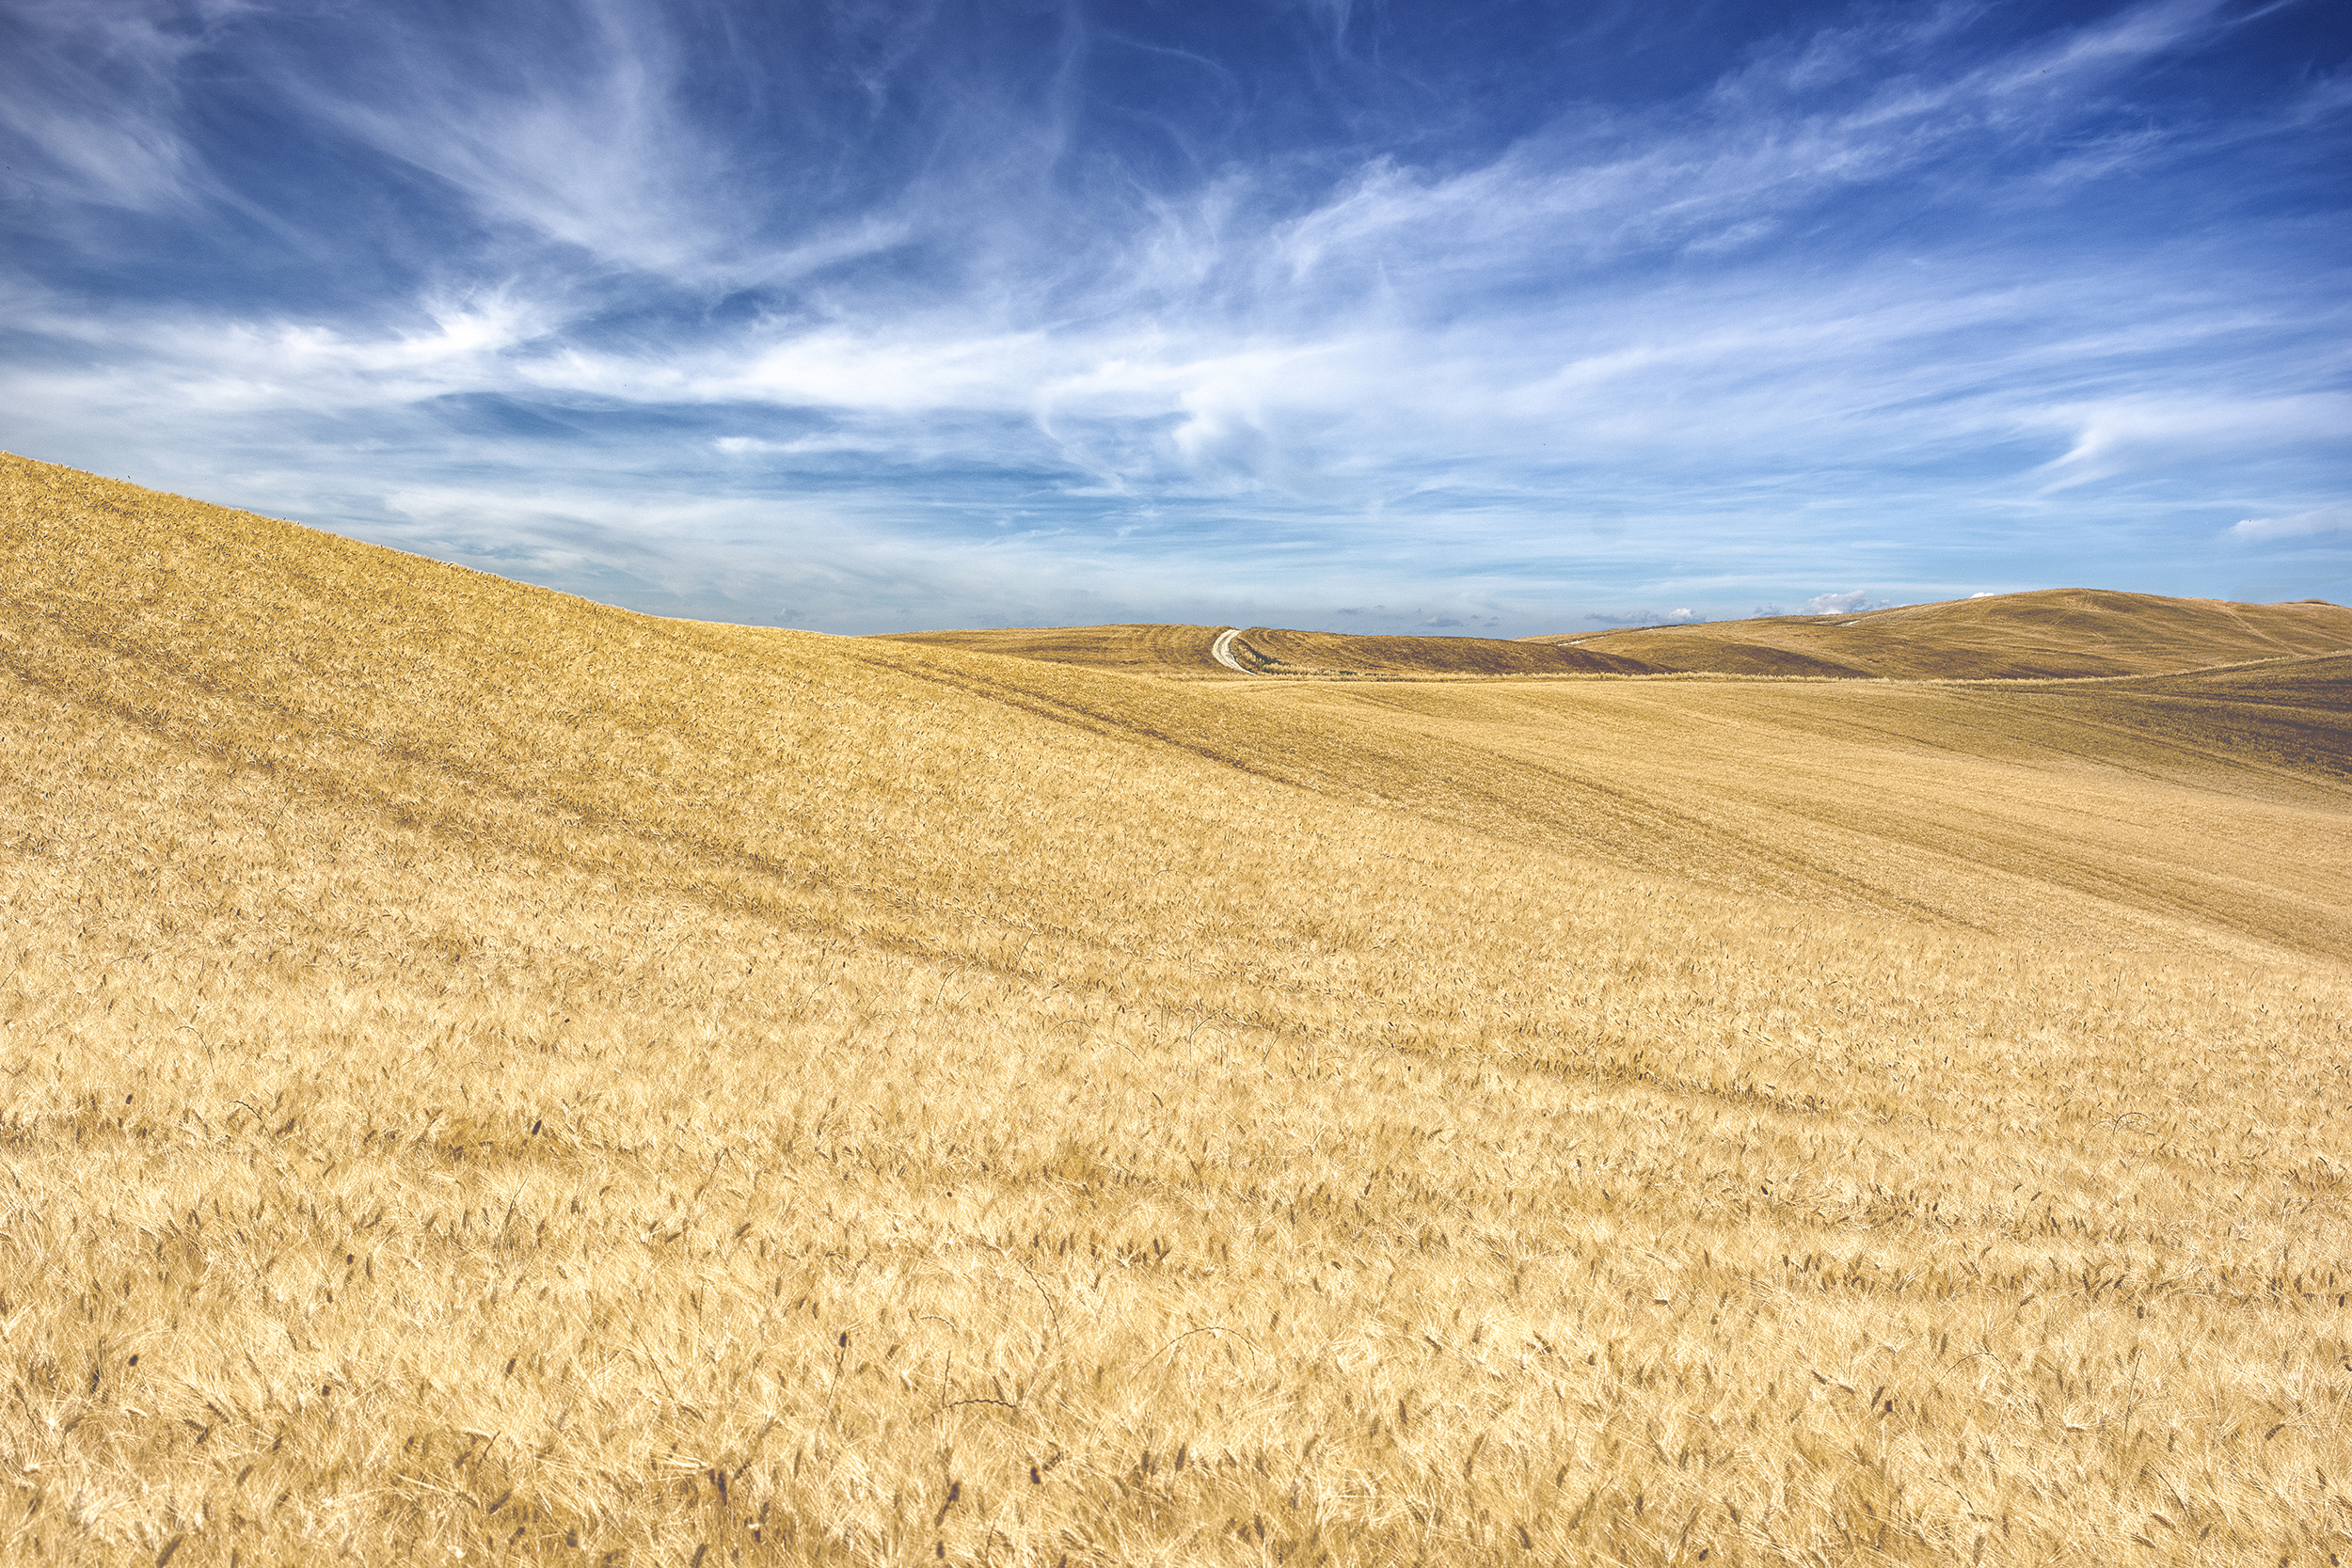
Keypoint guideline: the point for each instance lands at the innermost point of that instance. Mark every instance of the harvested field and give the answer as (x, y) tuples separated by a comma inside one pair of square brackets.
[(1156, 650), (1326, 653), (493, 1074)]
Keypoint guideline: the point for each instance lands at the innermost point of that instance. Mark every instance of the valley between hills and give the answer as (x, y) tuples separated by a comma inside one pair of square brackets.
[(493, 1076)]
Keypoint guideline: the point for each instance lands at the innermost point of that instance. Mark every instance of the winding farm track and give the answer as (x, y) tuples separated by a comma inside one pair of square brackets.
[(1222, 650)]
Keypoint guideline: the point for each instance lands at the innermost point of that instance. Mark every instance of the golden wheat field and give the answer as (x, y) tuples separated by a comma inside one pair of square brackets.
[(488, 1077)]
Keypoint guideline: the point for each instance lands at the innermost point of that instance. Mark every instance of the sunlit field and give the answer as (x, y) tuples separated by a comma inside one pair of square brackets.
[(493, 1076)]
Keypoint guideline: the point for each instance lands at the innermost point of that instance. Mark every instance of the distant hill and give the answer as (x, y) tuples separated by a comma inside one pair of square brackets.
[(2055, 633), (1181, 650)]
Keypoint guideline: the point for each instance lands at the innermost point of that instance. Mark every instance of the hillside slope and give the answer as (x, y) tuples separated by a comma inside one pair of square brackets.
[(489, 1072), (2055, 633), (2185, 810)]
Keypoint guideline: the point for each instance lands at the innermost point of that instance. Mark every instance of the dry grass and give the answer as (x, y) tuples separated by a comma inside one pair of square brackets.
[(487, 1075)]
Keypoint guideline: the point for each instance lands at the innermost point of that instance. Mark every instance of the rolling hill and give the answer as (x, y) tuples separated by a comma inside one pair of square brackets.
[(491, 1073), (2057, 633)]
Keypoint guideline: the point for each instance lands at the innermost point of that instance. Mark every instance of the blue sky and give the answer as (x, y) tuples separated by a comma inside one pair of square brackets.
[(1477, 316)]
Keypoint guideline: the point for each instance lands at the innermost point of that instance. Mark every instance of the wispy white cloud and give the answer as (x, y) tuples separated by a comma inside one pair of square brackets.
[(90, 100), (583, 142), (2125, 434)]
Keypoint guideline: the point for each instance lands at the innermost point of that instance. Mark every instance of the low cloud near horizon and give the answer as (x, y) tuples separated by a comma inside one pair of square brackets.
[(2303, 525), (868, 317)]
